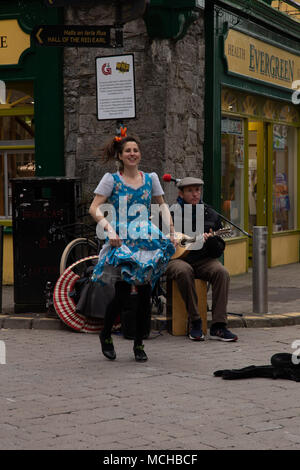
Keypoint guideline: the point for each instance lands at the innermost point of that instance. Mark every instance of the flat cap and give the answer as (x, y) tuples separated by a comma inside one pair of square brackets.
[(189, 181)]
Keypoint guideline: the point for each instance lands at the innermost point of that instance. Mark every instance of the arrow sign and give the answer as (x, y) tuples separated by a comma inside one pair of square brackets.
[(73, 36)]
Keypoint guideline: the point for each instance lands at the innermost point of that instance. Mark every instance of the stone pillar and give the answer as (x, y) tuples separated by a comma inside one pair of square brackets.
[(169, 78)]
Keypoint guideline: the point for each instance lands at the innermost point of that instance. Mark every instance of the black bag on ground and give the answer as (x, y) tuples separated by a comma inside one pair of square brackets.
[(91, 298)]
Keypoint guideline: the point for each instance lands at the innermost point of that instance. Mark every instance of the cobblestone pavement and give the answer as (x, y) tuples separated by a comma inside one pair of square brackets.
[(59, 392)]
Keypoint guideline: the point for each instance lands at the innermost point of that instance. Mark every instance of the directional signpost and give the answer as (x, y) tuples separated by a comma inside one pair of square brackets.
[(77, 36)]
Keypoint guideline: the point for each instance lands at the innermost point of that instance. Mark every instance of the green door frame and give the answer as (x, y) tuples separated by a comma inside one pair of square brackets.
[(43, 66)]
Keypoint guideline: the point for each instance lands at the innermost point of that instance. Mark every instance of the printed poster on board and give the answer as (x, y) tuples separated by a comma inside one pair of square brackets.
[(115, 87)]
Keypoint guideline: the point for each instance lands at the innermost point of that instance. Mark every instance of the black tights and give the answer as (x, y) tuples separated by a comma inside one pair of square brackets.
[(122, 298)]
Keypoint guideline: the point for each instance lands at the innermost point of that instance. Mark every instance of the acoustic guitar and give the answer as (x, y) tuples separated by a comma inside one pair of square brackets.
[(185, 242)]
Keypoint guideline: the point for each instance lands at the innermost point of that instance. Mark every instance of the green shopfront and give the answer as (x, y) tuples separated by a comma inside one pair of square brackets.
[(31, 105), (252, 149)]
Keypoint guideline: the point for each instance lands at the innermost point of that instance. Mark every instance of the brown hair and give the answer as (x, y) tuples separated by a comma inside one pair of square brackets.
[(113, 148)]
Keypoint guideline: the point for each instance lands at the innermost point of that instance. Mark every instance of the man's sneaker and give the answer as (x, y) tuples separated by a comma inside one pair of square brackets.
[(222, 334), (196, 333)]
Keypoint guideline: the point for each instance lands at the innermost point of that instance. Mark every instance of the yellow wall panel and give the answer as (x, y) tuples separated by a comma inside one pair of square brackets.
[(285, 249), (235, 257)]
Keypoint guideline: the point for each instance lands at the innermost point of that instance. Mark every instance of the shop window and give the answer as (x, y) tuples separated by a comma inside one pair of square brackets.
[(16, 155), (17, 158), (284, 178), (232, 191)]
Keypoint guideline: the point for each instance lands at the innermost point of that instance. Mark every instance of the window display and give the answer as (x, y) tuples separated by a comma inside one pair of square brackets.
[(17, 158), (17, 133), (284, 178), (232, 193)]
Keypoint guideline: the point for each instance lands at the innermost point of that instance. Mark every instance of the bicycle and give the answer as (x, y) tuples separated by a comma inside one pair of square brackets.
[(84, 243), (84, 248)]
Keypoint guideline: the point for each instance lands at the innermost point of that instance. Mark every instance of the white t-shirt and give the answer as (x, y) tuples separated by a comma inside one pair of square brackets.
[(105, 187)]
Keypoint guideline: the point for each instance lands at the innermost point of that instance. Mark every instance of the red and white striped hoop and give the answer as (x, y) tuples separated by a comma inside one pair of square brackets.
[(65, 306)]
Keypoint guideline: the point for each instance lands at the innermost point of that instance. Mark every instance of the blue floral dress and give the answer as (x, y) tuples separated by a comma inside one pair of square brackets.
[(145, 251)]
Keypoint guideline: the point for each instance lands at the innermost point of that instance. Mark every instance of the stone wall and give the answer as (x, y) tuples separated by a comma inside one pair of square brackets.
[(169, 79)]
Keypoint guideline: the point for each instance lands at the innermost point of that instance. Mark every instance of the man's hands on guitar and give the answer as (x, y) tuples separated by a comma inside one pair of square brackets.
[(207, 235), (184, 243)]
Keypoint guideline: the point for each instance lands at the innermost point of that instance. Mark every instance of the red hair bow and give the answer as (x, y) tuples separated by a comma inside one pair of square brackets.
[(123, 134)]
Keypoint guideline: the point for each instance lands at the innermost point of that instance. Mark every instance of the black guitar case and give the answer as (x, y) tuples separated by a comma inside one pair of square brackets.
[(283, 366)]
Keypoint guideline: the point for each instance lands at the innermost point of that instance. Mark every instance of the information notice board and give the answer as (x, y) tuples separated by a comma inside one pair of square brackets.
[(115, 87)]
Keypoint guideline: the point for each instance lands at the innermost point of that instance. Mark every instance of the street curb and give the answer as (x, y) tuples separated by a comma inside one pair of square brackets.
[(16, 323), (245, 321), (158, 322), (47, 324)]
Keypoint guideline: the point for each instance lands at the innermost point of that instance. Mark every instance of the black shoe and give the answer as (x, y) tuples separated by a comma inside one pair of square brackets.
[(139, 353), (107, 347)]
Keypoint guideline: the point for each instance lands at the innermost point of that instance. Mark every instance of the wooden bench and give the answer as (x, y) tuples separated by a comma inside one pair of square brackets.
[(177, 317)]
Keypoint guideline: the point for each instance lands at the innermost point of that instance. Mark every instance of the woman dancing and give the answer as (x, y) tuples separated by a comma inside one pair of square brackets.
[(135, 247)]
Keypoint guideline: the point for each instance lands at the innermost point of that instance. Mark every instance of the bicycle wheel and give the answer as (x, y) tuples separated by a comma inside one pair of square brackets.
[(76, 250)]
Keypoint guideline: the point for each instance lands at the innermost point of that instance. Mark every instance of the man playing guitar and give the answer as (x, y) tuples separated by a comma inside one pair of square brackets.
[(202, 264)]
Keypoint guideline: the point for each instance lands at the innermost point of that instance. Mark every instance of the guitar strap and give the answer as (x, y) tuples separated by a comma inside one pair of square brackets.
[(211, 219)]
